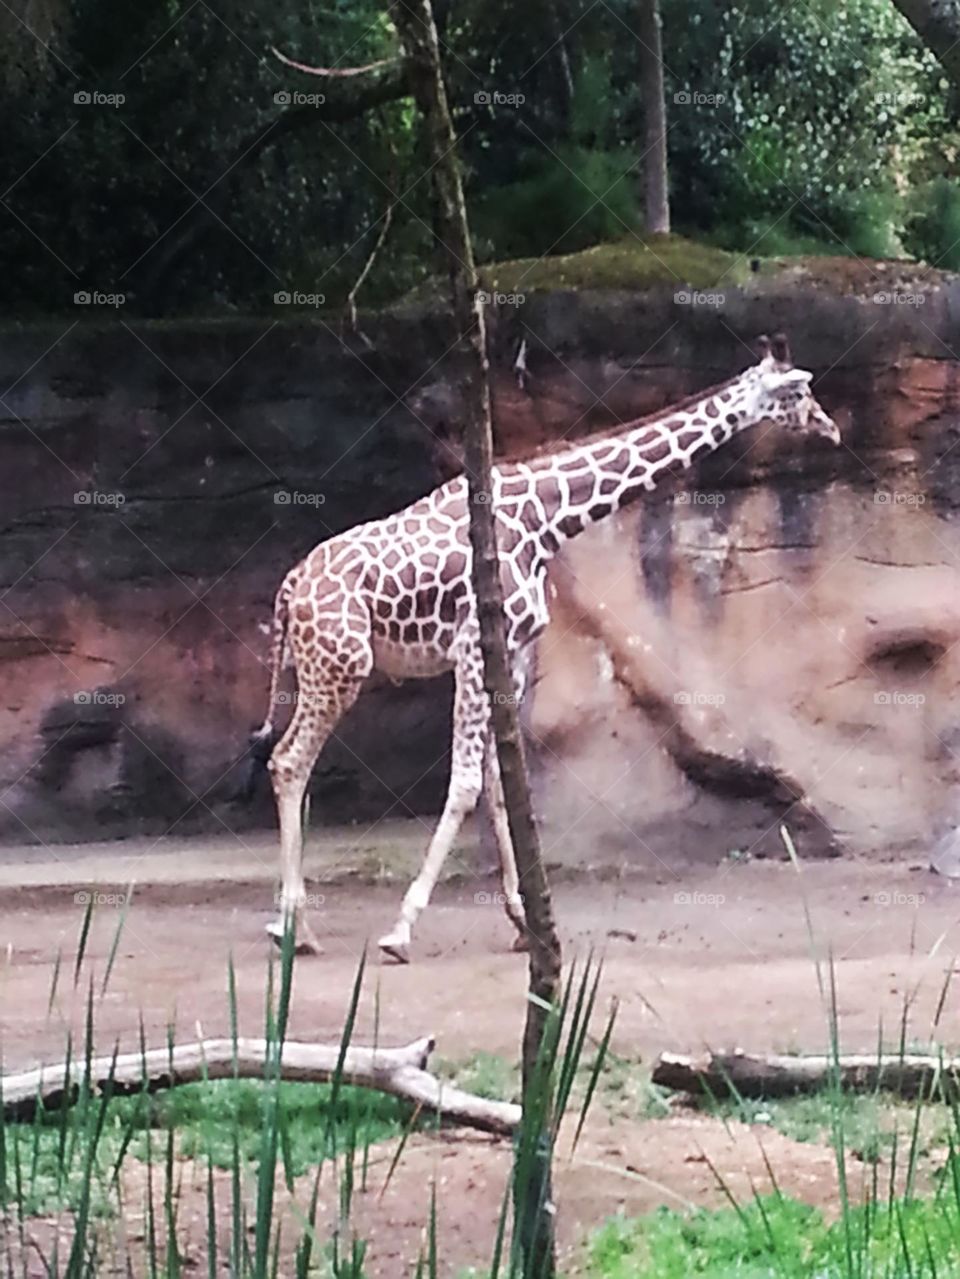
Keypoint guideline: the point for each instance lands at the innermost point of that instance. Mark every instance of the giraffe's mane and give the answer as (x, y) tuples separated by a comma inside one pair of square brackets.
[(554, 447)]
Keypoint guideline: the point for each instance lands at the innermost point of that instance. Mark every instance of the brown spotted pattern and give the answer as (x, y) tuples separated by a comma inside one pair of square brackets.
[(396, 596)]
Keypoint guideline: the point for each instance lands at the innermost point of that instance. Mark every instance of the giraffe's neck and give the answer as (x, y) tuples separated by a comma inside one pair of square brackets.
[(577, 487)]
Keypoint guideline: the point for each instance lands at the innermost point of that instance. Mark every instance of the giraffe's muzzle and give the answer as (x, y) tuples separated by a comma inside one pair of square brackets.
[(822, 424)]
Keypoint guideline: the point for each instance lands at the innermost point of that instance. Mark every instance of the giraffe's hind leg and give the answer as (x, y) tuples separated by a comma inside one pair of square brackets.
[(321, 702), (512, 898), (470, 714)]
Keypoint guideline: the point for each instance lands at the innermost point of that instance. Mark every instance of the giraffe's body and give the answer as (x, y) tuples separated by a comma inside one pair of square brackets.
[(396, 595)]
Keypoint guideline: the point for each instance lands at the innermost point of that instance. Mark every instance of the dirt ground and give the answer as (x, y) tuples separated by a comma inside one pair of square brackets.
[(719, 958)]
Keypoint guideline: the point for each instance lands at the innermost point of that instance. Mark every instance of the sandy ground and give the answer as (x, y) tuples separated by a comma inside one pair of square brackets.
[(719, 958)]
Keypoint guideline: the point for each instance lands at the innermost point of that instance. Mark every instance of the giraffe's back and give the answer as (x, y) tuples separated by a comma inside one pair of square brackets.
[(404, 582), (404, 579)]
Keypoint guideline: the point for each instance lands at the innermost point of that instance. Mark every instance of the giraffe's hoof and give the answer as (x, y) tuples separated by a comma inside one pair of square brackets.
[(302, 945), (520, 944), (395, 948)]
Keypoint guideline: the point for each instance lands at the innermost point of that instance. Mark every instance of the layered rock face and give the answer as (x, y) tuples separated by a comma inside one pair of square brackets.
[(158, 486), (771, 638)]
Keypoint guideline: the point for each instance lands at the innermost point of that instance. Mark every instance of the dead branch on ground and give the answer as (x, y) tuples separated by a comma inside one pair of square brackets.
[(772, 1075), (401, 1072)]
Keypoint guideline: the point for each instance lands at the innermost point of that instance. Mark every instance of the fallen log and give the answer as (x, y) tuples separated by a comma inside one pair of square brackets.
[(738, 1073), (399, 1071)]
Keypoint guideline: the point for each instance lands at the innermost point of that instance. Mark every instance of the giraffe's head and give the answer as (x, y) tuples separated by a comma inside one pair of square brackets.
[(783, 392)]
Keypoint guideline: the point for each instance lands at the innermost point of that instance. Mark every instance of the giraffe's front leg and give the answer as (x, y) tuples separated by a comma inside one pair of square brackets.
[(293, 915), (292, 897), (306, 939), (461, 800), (292, 894), (466, 776)]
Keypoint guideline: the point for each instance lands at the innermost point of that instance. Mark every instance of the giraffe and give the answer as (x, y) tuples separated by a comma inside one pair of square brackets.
[(395, 595)]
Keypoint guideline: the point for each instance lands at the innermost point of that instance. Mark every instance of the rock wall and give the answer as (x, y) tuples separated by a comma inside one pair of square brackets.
[(158, 484), (771, 638)]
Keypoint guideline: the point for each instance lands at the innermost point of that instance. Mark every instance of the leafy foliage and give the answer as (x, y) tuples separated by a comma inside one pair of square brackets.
[(777, 1236), (208, 1120), (821, 113), (817, 126), (934, 232), (579, 192), (176, 196)]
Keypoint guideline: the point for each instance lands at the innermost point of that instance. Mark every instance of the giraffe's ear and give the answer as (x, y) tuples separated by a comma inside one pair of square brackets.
[(762, 348), (780, 349)]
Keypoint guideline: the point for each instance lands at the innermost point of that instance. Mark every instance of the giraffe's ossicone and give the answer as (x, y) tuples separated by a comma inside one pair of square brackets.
[(396, 595)]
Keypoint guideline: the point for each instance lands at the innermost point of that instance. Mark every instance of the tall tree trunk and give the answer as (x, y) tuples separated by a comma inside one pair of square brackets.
[(655, 119), (415, 25), (560, 34), (937, 23)]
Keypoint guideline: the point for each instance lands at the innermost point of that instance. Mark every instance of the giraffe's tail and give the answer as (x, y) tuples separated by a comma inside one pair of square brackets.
[(263, 740)]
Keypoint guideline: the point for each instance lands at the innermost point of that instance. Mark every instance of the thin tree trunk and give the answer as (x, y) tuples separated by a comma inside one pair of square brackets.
[(655, 119), (560, 33), (415, 24)]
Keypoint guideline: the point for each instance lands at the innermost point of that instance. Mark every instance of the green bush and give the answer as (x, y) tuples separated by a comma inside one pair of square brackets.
[(577, 193), (570, 201), (772, 238), (934, 228), (869, 223), (824, 110)]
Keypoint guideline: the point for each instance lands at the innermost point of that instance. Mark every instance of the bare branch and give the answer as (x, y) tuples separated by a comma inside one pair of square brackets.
[(350, 306), (339, 72), (352, 97)]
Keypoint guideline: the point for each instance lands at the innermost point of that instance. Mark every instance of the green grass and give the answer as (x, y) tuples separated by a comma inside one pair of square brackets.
[(871, 1124), (626, 1091), (208, 1120), (637, 262), (633, 262), (206, 1116), (70, 1160), (49, 1175), (623, 1089), (777, 1238), (486, 1074)]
